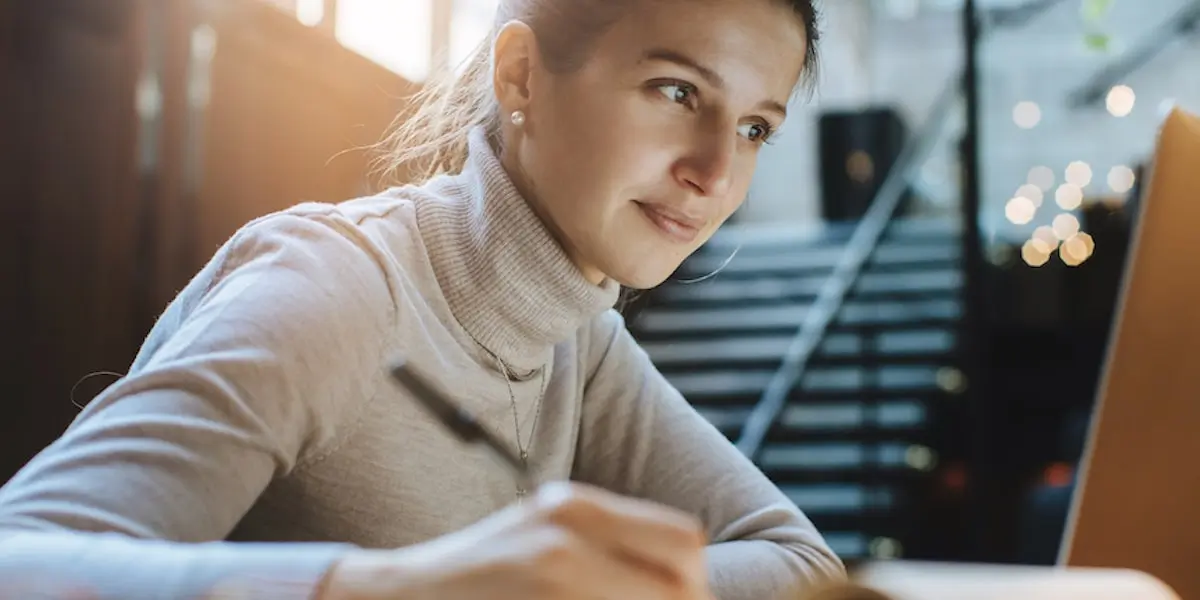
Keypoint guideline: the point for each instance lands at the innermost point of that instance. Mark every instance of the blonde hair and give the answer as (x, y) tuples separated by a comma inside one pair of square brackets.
[(430, 139)]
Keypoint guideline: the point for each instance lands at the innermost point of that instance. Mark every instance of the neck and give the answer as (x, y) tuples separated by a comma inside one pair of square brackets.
[(506, 277)]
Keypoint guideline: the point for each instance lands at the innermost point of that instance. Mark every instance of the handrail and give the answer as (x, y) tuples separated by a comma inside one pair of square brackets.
[(1017, 16), (829, 301)]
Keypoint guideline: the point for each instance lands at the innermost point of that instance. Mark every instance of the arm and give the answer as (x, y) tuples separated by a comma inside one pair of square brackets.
[(248, 374), (641, 437)]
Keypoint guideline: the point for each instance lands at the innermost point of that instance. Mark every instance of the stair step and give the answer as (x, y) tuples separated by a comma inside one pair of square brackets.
[(808, 422), (904, 477), (777, 288), (768, 350), (933, 280), (848, 544), (849, 506), (844, 456), (887, 255), (665, 321), (745, 386), (879, 523), (839, 498), (767, 237)]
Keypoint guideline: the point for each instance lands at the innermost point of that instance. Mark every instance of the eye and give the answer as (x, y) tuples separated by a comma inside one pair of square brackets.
[(756, 132), (679, 92)]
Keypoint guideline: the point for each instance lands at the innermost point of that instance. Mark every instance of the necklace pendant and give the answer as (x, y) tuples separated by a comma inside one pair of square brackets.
[(521, 493), (524, 457)]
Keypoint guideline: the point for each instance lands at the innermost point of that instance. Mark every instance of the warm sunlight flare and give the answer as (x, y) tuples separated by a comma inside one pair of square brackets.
[(1068, 196), (1065, 226), (1033, 192), (1027, 114), (471, 21), (1121, 179), (1077, 249), (1044, 239), (310, 12), (1041, 176), (1120, 100), (1020, 210), (1033, 254), (1079, 173), (393, 33)]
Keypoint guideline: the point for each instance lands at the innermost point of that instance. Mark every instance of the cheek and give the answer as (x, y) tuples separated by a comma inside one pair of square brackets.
[(726, 210), (607, 155), (741, 188), (574, 140), (732, 205)]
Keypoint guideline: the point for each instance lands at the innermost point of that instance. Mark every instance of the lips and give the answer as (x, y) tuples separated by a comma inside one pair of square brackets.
[(673, 223)]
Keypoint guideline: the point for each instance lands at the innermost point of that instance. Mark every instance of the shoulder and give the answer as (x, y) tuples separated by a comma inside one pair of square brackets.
[(602, 331), (606, 325), (352, 247), (303, 273), (606, 342), (360, 227)]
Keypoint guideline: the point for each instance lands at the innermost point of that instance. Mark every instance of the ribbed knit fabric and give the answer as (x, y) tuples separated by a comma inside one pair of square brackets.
[(504, 276)]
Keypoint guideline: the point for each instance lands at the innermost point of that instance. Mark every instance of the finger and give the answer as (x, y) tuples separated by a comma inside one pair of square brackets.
[(598, 573), (638, 530)]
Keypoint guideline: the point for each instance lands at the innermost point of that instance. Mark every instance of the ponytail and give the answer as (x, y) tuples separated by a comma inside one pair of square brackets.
[(430, 139)]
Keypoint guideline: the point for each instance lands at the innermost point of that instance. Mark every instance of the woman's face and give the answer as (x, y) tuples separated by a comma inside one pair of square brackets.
[(637, 157)]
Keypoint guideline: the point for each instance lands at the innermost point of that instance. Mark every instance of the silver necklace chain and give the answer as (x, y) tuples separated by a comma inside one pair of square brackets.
[(507, 372), (512, 396)]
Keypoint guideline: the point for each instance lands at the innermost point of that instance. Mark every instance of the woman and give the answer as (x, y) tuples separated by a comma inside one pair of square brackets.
[(591, 143)]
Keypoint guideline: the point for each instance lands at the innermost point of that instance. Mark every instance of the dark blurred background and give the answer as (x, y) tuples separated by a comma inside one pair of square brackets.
[(908, 340)]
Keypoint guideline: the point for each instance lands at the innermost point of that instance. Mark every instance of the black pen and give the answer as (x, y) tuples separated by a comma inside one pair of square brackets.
[(461, 423)]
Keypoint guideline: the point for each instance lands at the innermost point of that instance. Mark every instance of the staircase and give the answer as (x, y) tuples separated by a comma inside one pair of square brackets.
[(853, 446)]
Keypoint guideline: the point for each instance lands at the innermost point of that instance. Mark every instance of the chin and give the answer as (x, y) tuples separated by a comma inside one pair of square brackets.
[(639, 282), (639, 259), (639, 273)]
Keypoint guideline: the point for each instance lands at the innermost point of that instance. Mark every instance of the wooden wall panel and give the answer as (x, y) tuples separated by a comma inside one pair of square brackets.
[(70, 207), (288, 113)]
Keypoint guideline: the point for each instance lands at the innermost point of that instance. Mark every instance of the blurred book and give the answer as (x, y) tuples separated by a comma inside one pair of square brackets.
[(904, 580)]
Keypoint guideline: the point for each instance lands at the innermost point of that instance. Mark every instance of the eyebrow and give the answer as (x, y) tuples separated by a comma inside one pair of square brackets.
[(709, 75)]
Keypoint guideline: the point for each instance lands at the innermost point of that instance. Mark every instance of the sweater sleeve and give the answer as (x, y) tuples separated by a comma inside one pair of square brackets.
[(252, 370), (640, 437)]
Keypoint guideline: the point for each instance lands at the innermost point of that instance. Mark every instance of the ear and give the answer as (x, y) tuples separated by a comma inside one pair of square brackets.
[(516, 60)]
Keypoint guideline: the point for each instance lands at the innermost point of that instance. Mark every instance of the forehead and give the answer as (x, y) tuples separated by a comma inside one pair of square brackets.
[(756, 46)]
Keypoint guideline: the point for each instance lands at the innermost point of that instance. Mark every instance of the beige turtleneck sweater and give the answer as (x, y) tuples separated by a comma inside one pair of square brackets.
[(257, 437)]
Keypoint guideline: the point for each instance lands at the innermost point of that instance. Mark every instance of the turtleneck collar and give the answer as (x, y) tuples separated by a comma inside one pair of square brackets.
[(508, 281)]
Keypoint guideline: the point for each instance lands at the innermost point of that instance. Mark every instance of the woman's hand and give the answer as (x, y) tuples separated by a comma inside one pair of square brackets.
[(568, 542)]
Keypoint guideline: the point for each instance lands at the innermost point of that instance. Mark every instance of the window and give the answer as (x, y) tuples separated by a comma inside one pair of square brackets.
[(393, 33), (398, 34), (470, 22)]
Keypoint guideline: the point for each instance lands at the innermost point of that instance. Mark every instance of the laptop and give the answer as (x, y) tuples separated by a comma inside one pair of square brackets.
[(1137, 500)]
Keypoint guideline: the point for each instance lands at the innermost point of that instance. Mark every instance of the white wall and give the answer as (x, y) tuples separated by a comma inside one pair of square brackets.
[(786, 184), (865, 60)]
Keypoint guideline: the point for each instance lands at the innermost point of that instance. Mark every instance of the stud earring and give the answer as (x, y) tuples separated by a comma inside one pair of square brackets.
[(517, 117)]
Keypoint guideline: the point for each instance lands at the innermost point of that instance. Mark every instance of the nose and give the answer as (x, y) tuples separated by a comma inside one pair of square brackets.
[(707, 167)]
